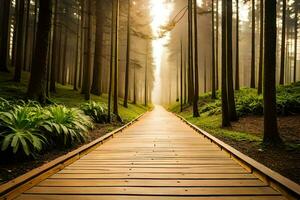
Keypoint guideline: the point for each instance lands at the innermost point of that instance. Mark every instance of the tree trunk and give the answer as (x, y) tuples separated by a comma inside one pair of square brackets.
[(181, 77), (231, 102), (54, 44), (34, 31), (213, 67), (196, 93), (282, 57), (87, 94), (20, 42), (64, 65), (97, 75), (4, 37), (237, 57), (225, 114), (127, 58), (271, 134), (217, 45), (252, 81), (146, 74), (26, 35), (296, 39), (261, 47), (190, 53), (77, 67), (37, 83), (116, 56)]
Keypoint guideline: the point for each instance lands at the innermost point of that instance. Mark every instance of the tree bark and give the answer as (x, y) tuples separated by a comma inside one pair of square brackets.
[(26, 35), (231, 101), (20, 42), (181, 77), (296, 39), (97, 75), (4, 40), (127, 58), (116, 55), (190, 53), (252, 81), (213, 67), (261, 48), (225, 113), (217, 45), (237, 57), (283, 31), (37, 82), (196, 93), (271, 134)]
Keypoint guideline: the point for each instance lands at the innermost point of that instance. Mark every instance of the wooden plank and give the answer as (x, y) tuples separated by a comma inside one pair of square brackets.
[(180, 191), (154, 176), (149, 183), (128, 197)]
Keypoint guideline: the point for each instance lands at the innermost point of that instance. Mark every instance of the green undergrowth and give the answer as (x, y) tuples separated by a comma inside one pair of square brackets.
[(247, 103), (28, 128)]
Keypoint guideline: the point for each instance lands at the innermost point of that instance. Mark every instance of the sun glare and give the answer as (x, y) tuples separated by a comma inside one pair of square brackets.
[(160, 13)]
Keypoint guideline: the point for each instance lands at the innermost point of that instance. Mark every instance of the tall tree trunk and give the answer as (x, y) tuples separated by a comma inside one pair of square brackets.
[(282, 57), (87, 94), (4, 36), (231, 102), (127, 57), (213, 67), (116, 56), (37, 82), (34, 30), (185, 76), (77, 67), (190, 53), (261, 47), (20, 42), (196, 93), (252, 81), (146, 74), (271, 134), (217, 45), (54, 59), (112, 52), (64, 65), (26, 35), (296, 39), (237, 57), (225, 113), (97, 75), (181, 77)]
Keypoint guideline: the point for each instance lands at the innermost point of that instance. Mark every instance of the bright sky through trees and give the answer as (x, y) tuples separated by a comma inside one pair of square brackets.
[(160, 13)]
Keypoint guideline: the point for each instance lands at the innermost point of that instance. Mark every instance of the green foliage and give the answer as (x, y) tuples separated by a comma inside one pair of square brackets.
[(20, 130), (4, 105), (96, 111), (66, 126)]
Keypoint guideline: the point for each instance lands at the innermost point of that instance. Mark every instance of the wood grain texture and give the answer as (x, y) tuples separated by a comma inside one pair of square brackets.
[(160, 158)]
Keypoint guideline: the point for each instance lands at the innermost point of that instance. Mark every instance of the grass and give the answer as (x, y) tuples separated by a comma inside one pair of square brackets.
[(212, 124), (64, 95)]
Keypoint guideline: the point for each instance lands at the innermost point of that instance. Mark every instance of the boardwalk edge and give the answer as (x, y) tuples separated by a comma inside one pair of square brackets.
[(278, 182), (24, 182)]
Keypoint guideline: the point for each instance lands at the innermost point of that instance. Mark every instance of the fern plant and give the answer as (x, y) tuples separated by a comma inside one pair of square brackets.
[(66, 126), (96, 111), (20, 130)]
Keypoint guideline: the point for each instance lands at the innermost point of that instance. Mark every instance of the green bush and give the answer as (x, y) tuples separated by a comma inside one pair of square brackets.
[(96, 111), (66, 126), (20, 130)]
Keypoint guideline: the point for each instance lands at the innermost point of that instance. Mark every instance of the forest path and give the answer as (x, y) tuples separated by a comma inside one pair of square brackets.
[(159, 157)]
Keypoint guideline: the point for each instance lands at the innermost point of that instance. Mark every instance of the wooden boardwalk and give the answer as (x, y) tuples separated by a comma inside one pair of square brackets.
[(158, 158)]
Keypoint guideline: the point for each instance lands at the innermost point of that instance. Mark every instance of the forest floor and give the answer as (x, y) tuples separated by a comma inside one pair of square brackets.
[(246, 136), (13, 167)]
